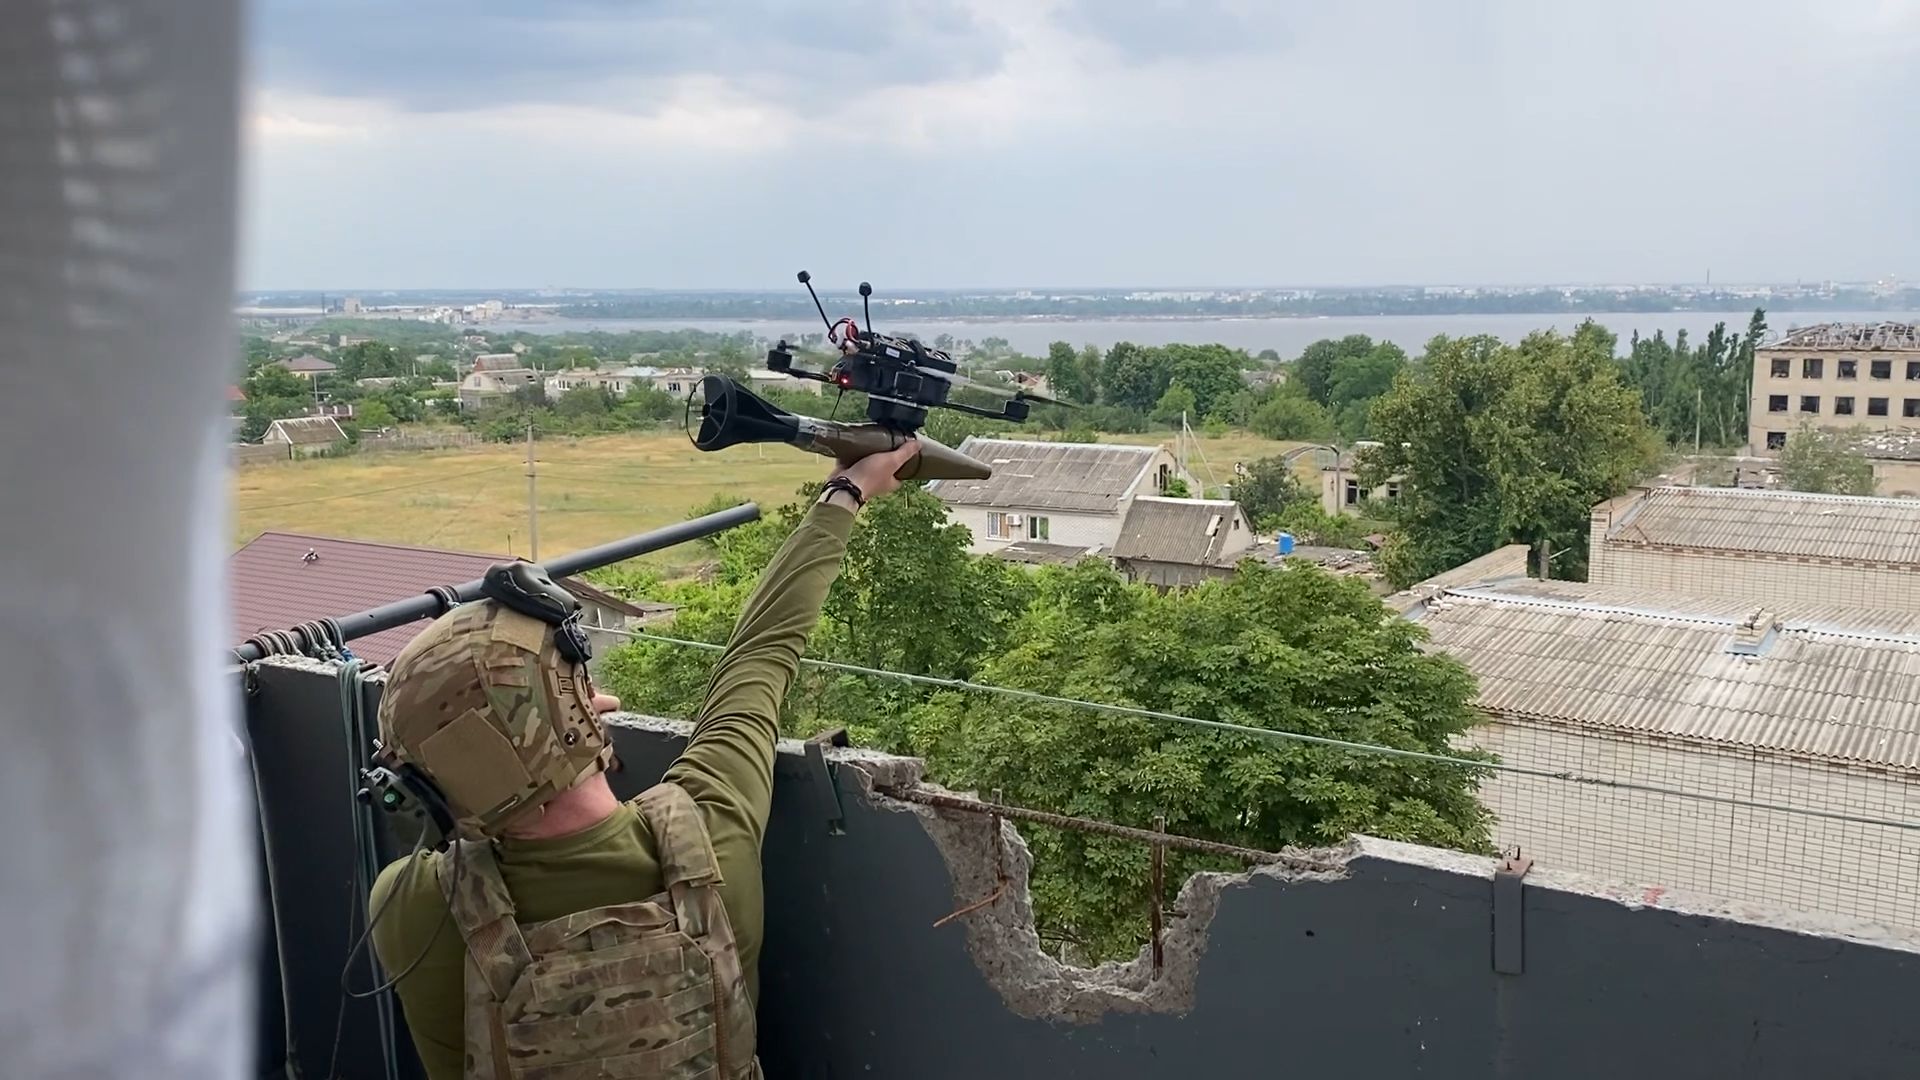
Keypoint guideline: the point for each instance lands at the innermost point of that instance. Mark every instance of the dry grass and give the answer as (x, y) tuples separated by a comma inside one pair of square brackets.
[(590, 490)]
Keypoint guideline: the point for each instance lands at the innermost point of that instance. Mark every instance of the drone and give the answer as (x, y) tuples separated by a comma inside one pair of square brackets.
[(901, 377)]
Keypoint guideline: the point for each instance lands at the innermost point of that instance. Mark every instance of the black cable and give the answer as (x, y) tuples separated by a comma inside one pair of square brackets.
[(346, 969)]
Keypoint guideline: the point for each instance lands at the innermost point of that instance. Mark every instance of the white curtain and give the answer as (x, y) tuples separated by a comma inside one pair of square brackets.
[(126, 875)]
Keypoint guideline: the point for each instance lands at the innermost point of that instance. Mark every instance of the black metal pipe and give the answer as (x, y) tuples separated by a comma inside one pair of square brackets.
[(431, 605)]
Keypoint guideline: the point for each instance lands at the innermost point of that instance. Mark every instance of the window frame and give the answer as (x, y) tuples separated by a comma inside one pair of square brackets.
[(1776, 440), (1780, 367), (1813, 367), (1778, 403), (1815, 409), (1846, 368), (1843, 406), (1879, 406)]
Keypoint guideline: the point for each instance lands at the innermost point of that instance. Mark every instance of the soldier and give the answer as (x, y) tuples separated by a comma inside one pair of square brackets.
[(593, 937)]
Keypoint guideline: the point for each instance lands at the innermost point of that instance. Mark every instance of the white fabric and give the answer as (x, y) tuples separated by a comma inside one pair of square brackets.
[(126, 869)]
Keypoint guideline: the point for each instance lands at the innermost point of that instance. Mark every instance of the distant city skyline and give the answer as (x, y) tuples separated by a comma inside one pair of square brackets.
[(995, 144)]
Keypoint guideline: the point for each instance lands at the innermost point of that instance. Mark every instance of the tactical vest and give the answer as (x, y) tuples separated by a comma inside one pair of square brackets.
[(651, 989)]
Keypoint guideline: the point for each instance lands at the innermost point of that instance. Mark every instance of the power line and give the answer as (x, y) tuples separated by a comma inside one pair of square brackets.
[(1301, 737), (369, 491)]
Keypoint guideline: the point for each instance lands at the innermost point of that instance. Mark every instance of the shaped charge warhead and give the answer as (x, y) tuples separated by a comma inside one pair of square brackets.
[(730, 414)]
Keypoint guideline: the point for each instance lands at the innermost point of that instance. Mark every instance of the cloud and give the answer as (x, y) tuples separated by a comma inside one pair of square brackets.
[(1084, 141)]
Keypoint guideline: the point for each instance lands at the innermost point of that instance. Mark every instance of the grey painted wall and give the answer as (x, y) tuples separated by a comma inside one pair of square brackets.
[(1383, 969)]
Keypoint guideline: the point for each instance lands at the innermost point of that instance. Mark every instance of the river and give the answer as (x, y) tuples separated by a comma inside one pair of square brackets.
[(1287, 336)]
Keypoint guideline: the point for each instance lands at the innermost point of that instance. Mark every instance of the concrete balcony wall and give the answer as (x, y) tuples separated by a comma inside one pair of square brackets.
[(1380, 967)]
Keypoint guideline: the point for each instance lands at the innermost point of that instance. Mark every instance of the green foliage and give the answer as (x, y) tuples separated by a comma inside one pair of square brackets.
[(1211, 372), (1503, 444), (273, 393), (1269, 487), (1295, 649), (1314, 371), (372, 360), (1287, 414), (1175, 404), (1135, 376), (1176, 488), (1310, 524), (1068, 377), (1824, 461), (587, 401), (1688, 391), (373, 413)]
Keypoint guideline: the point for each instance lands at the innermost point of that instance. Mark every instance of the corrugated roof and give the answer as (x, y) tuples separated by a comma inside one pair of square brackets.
[(1881, 335), (307, 431), (1849, 527), (1089, 477), (307, 364), (275, 586), (497, 362), (1191, 531), (1831, 684)]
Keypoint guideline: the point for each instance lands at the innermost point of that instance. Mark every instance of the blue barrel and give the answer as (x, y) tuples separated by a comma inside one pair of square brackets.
[(1284, 544)]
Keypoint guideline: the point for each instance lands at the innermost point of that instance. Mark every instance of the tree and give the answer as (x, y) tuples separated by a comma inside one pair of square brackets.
[(1688, 391), (373, 413), (1314, 370), (1269, 487), (586, 401), (1176, 403), (1296, 649), (1826, 462), (1091, 365), (274, 381), (1288, 415), (1361, 377), (1065, 374), (1211, 372), (1500, 444), (1134, 376)]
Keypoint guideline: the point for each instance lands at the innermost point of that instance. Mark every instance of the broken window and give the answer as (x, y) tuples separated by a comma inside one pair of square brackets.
[(1843, 406), (1910, 407), (1782, 367), (1876, 406), (1353, 493), (1849, 369), (1810, 403), (1777, 403), (1881, 369), (1776, 440), (1913, 370), (1812, 367)]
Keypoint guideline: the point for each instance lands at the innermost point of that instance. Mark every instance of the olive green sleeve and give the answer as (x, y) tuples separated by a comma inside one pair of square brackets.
[(411, 916), (728, 764)]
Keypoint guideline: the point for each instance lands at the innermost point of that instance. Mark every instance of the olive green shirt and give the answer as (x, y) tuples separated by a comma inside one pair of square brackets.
[(727, 767)]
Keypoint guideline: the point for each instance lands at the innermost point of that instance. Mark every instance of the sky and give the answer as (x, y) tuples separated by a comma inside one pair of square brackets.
[(684, 144)]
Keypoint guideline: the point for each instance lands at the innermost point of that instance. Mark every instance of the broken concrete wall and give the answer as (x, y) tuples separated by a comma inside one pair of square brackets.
[(1381, 965)]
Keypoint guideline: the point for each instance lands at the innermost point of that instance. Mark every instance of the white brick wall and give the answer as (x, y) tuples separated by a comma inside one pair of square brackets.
[(1769, 856), (1082, 530)]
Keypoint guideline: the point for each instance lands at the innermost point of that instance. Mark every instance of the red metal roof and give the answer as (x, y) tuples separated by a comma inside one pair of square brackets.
[(275, 585)]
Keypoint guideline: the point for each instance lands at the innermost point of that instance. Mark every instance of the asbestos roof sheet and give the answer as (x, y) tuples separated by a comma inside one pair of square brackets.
[(1845, 527), (1882, 335), (1192, 531), (307, 431), (1826, 684), (1088, 477)]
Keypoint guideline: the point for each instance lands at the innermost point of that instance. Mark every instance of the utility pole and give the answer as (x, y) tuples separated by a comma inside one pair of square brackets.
[(533, 505), (1546, 560)]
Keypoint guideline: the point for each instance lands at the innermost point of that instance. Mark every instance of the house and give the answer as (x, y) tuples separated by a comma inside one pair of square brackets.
[(339, 410), (1173, 543), (480, 387), (307, 365), (349, 340), (281, 579), (1075, 494), (305, 435), (1781, 548), (1672, 705), (505, 361), (1340, 490), (235, 395), (621, 381), (762, 380)]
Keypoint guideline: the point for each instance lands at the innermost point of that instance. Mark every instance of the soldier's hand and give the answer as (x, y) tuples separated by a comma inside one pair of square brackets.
[(874, 474)]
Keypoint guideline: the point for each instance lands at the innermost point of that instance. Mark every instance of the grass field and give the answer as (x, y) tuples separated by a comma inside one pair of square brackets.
[(590, 490)]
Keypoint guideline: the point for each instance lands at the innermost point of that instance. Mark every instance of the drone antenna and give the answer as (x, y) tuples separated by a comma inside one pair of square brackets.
[(807, 280), (866, 290)]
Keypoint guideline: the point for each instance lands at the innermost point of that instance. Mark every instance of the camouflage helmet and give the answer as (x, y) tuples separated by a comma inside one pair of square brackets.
[(482, 702)]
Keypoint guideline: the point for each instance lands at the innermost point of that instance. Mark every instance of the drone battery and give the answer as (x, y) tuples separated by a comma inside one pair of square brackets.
[(907, 385)]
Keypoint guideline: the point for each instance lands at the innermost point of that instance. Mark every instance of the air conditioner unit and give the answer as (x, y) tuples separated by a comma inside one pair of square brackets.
[(1015, 519)]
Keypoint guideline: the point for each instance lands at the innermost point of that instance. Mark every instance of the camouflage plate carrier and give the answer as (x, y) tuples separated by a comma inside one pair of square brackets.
[(651, 989)]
